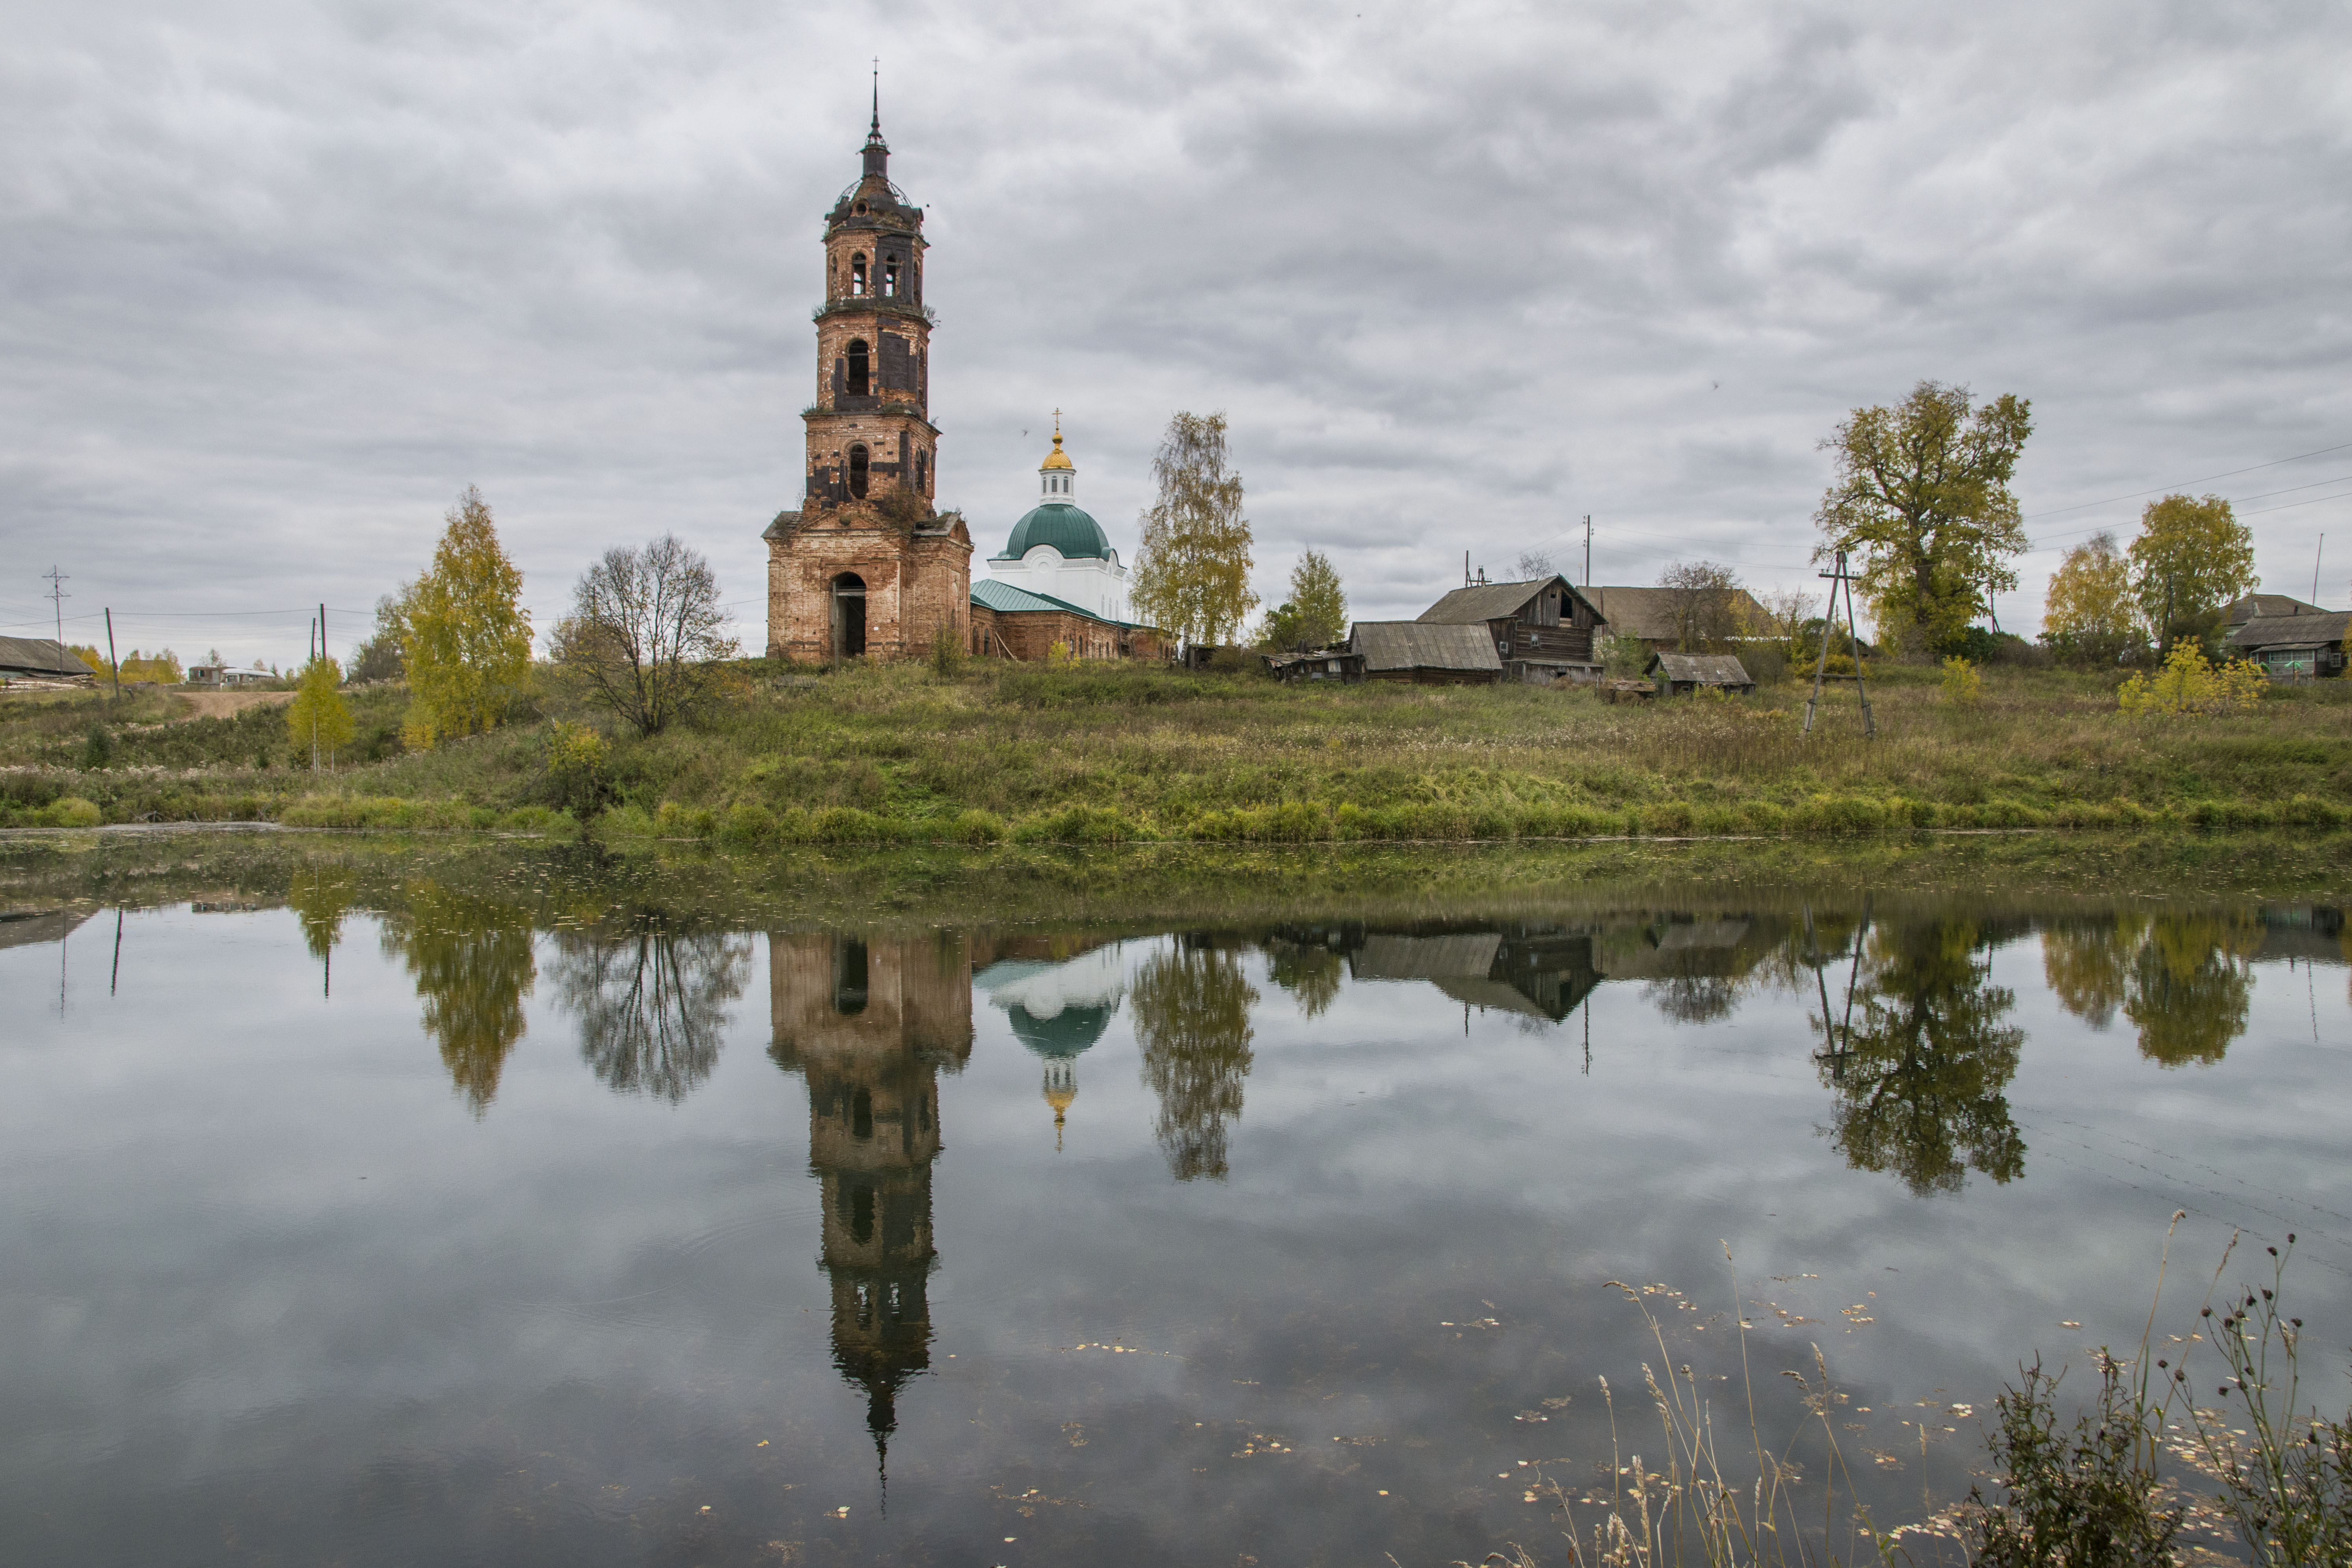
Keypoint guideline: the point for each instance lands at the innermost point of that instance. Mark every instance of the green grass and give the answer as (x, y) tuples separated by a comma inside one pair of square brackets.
[(1105, 755)]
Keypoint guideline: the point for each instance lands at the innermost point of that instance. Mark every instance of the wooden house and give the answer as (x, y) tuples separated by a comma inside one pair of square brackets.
[(1680, 674), (1660, 617), (1542, 630), (1333, 664), (2305, 643), (1426, 655)]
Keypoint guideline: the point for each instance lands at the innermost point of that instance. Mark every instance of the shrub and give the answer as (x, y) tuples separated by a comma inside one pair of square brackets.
[(2087, 1498), (96, 748), (71, 811), (2190, 683), (748, 824), (578, 768), (976, 828), (1963, 686), (947, 652)]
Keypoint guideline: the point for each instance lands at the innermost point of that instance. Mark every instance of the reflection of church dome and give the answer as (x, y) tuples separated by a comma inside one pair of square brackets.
[(1064, 1034), (1074, 533)]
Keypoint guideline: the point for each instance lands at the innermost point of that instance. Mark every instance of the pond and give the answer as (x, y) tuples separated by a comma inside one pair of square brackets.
[(389, 1218)]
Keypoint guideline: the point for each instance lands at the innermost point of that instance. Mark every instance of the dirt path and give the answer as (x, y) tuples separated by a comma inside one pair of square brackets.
[(228, 704)]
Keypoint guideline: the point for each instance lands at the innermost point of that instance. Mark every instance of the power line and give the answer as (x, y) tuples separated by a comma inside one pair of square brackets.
[(2160, 489)]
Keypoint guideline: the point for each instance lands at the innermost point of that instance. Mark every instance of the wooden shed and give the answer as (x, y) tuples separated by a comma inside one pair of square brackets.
[(1337, 664), (1428, 655), (1679, 674), (1542, 630)]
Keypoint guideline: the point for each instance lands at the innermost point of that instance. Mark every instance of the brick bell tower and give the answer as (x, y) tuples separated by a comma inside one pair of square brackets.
[(869, 565)]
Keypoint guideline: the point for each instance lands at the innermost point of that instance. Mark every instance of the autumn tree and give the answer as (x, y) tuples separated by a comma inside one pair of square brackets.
[(473, 961), (465, 637), (2091, 614), (1191, 1010), (652, 1002), (377, 656), (317, 719), (644, 631), (1922, 496), (2191, 558), (1703, 599), (1191, 570), (1316, 613)]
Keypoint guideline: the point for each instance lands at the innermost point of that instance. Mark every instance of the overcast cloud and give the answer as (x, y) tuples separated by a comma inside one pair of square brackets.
[(277, 280)]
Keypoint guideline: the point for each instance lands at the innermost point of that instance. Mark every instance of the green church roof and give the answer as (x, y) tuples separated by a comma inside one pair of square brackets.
[(1062, 525), (1063, 1034)]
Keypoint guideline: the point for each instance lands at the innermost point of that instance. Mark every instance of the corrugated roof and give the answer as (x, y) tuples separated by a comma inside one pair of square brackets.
[(39, 656), (1649, 612), (1007, 600), (1706, 669), (1410, 645), (2309, 629), (1482, 602)]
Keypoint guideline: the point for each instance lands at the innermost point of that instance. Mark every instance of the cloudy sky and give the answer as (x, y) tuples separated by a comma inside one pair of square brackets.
[(278, 278)]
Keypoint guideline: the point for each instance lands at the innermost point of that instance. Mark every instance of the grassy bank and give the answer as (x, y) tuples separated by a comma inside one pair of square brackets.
[(1019, 754)]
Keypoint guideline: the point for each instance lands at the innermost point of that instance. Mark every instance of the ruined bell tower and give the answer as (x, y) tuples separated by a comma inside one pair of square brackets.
[(868, 565)]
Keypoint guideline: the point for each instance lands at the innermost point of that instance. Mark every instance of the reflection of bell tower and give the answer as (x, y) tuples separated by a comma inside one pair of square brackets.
[(870, 1024)]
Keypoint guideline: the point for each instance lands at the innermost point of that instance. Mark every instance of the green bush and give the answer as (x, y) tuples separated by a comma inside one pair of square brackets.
[(976, 828), (2087, 1498), (748, 824), (71, 811)]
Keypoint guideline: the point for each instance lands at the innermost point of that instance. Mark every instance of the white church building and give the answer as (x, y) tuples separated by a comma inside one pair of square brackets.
[(1057, 550)]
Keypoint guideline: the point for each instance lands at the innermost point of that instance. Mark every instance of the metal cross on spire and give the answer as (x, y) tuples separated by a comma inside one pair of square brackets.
[(876, 127)]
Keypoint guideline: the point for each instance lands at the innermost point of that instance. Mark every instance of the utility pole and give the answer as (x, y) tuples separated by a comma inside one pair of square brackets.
[(1587, 550), (111, 662), (2315, 567), (1838, 579), (58, 597)]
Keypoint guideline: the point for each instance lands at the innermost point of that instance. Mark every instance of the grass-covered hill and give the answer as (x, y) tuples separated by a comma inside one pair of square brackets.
[(901, 753)]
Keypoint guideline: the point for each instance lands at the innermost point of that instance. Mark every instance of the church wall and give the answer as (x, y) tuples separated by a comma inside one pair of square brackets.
[(913, 585)]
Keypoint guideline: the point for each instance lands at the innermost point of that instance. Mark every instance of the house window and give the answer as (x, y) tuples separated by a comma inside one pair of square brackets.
[(859, 470), (861, 377), (858, 273)]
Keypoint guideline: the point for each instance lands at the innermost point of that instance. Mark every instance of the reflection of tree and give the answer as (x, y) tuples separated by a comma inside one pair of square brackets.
[(2182, 979), (2088, 965), (1310, 971), (2191, 987), (473, 963), (652, 1003), (1192, 1006), (320, 897), (1921, 1084), (1692, 999)]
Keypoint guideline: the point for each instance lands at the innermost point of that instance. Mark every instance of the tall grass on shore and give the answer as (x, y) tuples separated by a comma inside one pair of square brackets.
[(1721, 1496), (984, 752)]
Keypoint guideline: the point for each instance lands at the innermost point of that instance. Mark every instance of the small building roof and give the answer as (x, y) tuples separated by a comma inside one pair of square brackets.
[(1484, 602), (1007, 600), (1413, 645), (1705, 668), (39, 658), (2240, 611), (2313, 627), (1649, 612)]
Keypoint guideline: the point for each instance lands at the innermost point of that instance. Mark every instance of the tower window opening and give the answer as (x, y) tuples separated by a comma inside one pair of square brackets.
[(889, 277), (858, 470), (858, 273), (861, 371), (849, 958), (861, 1114), (923, 473)]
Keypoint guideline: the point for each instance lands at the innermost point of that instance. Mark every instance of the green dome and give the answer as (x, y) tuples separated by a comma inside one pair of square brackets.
[(1066, 1034), (1059, 524)]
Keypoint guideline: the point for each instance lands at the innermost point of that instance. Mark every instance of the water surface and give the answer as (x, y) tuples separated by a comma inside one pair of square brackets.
[(452, 1226)]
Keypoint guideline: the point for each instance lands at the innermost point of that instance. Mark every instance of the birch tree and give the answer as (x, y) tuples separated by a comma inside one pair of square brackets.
[(466, 638), (1192, 573)]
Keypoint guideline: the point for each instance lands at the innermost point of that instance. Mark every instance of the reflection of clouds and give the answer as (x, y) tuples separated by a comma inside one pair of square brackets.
[(1044, 990), (652, 1005)]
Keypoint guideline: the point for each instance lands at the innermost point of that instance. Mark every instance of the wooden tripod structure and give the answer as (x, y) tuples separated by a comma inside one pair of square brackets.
[(1841, 579)]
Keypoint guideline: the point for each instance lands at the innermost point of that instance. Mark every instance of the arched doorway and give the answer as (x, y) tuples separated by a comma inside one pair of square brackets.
[(848, 616)]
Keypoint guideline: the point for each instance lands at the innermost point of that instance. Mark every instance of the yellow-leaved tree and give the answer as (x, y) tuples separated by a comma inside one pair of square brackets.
[(2091, 614), (1192, 573), (317, 718), (464, 638), (2191, 558)]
